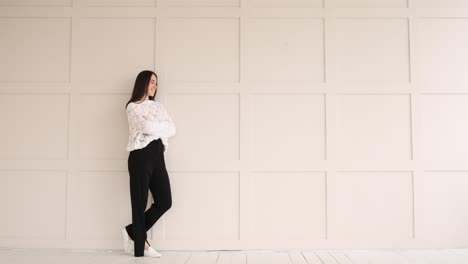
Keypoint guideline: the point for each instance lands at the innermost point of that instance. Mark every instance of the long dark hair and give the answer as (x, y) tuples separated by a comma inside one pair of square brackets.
[(140, 89)]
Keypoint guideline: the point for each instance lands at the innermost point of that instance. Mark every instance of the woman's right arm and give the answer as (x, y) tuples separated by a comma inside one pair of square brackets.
[(138, 121)]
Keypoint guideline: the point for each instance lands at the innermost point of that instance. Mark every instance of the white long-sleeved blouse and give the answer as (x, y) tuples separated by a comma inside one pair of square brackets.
[(147, 121)]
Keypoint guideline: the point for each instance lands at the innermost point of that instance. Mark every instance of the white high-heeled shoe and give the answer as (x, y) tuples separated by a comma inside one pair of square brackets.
[(127, 243), (152, 253), (129, 247)]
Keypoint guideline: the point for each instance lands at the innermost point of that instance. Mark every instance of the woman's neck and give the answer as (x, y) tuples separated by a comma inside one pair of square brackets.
[(145, 99)]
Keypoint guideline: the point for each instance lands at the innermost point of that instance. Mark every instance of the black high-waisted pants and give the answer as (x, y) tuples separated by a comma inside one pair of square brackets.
[(147, 170)]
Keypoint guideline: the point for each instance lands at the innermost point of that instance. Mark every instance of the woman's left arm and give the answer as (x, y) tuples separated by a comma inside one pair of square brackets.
[(171, 129)]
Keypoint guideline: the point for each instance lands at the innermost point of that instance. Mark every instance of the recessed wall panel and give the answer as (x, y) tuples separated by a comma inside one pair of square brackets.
[(370, 51), (442, 49), (33, 204), (441, 207), (35, 50), (285, 126), (443, 134), (284, 51), (199, 49), (205, 206), (373, 128), (288, 205), (35, 126), (375, 207)]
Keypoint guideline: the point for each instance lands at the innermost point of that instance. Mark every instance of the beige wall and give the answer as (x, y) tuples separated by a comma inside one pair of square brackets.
[(301, 124)]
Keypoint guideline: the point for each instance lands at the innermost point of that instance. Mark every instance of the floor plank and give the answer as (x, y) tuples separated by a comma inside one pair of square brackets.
[(268, 257), (341, 257), (311, 257), (173, 257), (434, 256), (226, 257), (297, 257), (326, 257), (462, 254), (376, 257), (203, 258)]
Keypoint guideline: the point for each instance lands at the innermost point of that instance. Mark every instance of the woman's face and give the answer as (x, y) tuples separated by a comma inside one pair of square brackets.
[(153, 86)]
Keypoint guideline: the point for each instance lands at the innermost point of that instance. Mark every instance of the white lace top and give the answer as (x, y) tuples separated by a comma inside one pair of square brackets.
[(148, 121)]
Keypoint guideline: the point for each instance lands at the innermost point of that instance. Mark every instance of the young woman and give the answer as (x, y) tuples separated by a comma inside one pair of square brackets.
[(150, 127)]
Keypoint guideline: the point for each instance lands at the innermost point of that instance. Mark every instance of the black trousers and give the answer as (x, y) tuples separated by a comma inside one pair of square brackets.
[(147, 170)]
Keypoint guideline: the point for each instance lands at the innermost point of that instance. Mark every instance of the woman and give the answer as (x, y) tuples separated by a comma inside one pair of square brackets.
[(150, 126)]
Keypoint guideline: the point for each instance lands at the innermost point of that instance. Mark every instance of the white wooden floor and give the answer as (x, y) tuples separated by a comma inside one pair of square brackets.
[(49, 256)]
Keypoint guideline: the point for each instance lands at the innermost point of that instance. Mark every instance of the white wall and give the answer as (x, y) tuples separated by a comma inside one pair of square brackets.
[(301, 124)]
